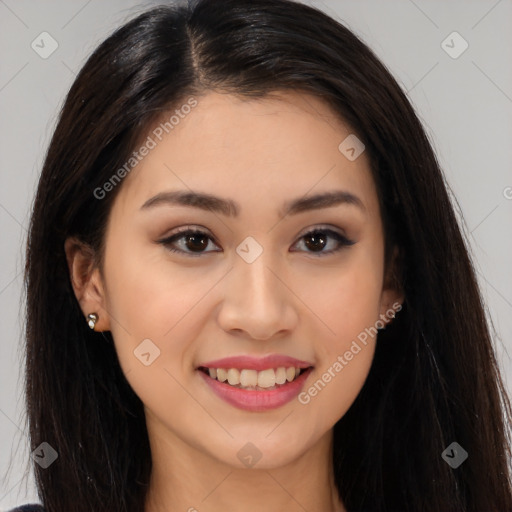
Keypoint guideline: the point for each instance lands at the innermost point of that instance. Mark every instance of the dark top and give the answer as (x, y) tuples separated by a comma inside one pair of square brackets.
[(28, 508)]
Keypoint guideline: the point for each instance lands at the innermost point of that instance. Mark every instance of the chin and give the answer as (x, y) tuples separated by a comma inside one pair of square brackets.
[(261, 452)]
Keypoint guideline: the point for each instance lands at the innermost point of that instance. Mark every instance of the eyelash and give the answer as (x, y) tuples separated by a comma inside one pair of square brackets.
[(343, 241)]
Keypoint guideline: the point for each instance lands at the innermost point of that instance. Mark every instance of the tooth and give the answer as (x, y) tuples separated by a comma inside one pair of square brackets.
[(222, 374), (248, 378), (266, 378), (252, 378), (281, 375), (233, 376)]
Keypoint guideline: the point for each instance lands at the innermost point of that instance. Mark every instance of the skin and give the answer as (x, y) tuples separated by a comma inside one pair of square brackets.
[(290, 300)]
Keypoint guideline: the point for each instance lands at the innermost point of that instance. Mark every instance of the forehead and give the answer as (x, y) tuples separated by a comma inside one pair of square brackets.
[(252, 150)]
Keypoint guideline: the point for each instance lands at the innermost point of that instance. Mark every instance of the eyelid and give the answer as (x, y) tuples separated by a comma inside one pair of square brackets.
[(331, 231), (191, 227), (321, 227)]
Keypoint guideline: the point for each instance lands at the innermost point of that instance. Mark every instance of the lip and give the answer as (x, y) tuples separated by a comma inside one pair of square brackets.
[(256, 363), (256, 400)]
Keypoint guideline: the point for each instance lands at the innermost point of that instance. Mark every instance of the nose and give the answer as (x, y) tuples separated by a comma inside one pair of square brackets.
[(257, 300)]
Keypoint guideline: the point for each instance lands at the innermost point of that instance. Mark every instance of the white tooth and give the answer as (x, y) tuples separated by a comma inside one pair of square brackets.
[(234, 376), (222, 374), (212, 372), (290, 373), (266, 378), (297, 371), (281, 375), (248, 378)]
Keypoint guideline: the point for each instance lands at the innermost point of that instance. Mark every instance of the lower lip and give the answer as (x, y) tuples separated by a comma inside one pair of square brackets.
[(257, 400)]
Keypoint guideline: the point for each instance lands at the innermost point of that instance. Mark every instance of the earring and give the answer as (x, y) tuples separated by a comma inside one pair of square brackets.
[(92, 318)]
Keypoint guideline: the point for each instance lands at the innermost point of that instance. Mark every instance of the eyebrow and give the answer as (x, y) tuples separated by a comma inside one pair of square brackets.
[(230, 208)]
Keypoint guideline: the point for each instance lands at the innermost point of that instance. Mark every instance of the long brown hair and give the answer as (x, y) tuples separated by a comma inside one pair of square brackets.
[(434, 378)]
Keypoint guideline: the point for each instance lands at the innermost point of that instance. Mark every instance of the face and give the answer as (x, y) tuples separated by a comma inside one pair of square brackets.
[(272, 278)]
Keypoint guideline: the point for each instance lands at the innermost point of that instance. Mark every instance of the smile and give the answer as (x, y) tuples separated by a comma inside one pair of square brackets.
[(254, 397), (253, 380)]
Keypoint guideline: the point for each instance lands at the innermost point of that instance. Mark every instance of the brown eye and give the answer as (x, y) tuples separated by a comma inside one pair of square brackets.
[(315, 241), (195, 242), (192, 241)]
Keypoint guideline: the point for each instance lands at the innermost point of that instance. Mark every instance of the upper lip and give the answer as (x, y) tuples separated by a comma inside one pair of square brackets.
[(256, 363)]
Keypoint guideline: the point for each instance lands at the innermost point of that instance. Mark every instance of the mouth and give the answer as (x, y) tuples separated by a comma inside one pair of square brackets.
[(253, 380), (255, 390)]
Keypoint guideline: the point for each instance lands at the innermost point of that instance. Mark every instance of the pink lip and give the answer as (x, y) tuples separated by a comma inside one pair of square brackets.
[(256, 400), (256, 363)]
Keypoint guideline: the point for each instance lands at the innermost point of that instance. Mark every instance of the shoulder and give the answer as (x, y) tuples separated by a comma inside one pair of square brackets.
[(28, 508)]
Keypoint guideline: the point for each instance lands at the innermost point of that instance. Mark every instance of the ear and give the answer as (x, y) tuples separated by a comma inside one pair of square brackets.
[(87, 281), (393, 295)]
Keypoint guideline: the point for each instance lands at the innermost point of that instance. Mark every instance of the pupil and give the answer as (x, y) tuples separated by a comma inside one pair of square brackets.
[(316, 238), (195, 237)]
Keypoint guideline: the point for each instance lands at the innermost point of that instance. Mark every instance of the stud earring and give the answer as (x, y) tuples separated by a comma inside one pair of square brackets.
[(92, 318)]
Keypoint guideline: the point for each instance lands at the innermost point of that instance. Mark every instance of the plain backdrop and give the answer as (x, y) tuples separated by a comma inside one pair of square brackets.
[(464, 101)]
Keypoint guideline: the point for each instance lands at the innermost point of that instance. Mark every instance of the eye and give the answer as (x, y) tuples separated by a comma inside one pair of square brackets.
[(317, 239), (195, 241)]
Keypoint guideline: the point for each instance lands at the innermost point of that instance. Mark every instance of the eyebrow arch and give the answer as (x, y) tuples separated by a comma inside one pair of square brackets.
[(230, 208)]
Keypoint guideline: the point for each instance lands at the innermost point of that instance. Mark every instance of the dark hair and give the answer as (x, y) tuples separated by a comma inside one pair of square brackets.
[(434, 377)]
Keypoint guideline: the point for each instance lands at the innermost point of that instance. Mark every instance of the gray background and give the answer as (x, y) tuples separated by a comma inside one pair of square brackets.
[(465, 104)]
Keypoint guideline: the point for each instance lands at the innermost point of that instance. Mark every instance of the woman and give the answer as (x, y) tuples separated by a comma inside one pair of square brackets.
[(254, 369)]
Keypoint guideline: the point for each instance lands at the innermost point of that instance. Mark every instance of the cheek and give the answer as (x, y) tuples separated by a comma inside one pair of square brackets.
[(345, 296), (349, 304), (152, 310), (147, 299), (345, 358), (337, 384)]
